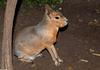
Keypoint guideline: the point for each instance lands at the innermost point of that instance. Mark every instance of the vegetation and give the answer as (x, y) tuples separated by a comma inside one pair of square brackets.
[(31, 3), (2, 3)]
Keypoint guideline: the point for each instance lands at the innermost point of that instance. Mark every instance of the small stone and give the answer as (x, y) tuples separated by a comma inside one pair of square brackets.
[(33, 65)]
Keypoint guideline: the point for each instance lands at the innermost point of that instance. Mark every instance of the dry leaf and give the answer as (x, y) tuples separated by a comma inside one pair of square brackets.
[(96, 54), (83, 60)]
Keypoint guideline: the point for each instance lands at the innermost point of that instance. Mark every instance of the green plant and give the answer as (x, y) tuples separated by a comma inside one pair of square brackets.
[(31, 3), (2, 3)]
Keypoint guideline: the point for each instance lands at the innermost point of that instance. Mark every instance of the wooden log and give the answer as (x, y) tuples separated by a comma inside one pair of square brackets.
[(6, 62)]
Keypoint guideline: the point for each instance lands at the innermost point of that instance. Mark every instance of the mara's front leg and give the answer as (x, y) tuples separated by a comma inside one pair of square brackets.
[(54, 55)]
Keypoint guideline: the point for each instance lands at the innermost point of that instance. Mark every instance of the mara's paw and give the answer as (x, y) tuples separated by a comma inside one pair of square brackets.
[(26, 60), (60, 60), (40, 55), (57, 63)]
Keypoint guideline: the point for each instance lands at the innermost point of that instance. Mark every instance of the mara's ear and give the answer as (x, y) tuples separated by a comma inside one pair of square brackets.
[(48, 9)]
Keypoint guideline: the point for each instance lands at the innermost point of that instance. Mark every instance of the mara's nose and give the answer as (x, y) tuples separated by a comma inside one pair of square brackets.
[(65, 19)]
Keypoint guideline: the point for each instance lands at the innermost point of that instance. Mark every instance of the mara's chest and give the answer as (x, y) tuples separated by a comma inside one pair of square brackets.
[(47, 35)]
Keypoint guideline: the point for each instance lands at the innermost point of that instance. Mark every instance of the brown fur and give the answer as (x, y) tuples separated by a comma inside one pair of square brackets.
[(32, 40)]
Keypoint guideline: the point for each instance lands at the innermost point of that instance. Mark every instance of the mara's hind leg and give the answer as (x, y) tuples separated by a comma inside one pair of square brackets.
[(24, 57)]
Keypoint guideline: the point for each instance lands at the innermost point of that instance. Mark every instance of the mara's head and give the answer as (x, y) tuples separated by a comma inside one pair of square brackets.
[(55, 17)]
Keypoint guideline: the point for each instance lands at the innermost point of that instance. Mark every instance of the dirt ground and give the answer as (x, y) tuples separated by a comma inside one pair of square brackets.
[(78, 44)]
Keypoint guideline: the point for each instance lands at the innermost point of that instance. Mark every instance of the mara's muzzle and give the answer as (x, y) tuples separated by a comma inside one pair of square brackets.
[(65, 21)]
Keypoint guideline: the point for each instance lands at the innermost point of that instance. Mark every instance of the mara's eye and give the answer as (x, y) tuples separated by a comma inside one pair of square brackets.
[(56, 17)]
